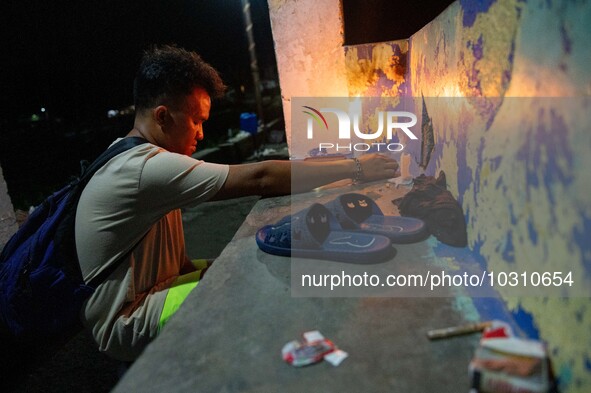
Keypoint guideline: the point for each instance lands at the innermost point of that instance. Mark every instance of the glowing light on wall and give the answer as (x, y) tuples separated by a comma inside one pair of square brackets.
[(451, 90)]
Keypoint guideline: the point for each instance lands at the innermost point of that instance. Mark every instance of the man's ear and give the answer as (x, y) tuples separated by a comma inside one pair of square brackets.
[(160, 114)]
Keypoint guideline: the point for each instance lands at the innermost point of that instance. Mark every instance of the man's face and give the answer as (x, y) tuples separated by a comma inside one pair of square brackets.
[(185, 126)]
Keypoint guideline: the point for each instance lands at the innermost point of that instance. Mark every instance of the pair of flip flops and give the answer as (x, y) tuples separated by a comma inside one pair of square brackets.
[(351, 228)]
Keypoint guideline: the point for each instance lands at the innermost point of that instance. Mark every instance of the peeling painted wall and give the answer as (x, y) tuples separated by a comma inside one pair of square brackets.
[(514, 142), (512, 135), (308, 38)]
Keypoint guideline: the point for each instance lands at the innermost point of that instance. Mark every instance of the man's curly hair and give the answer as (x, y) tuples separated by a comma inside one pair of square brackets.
[(167, 74)]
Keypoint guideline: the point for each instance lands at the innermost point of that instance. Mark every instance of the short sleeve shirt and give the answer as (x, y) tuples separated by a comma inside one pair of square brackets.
[(131, 208)]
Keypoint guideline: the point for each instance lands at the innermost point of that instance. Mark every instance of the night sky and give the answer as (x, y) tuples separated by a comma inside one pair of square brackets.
[(78, 58)]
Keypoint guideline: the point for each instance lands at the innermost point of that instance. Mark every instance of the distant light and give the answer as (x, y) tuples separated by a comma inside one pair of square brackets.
[(43, 110), (112, 113)]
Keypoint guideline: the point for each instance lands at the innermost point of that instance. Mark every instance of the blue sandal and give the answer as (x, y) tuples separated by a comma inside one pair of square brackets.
[(359, 213), (314, 233)]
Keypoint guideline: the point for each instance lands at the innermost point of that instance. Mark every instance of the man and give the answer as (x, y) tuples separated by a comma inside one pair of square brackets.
[(131, 207)]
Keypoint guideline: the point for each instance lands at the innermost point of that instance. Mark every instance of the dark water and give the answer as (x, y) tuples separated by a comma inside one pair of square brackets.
[(38, 158)]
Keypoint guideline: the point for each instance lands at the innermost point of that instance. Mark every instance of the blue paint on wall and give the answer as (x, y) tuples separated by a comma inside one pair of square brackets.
[(557, 148), (472, 8), (490, 308), (507, 73), (364, 51), (579, 315), (539, 162), (512, 216), (566, 40), (477, 179), (582, 238), (464, 172), (477, 48), (495, 163), (545, 147), (384, 84), (508, 250), (530, 162), (499, 183), (477, 255), (526, 323), (473, 75), (533, 234)]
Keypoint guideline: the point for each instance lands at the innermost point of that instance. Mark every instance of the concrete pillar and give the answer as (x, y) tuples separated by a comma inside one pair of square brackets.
[(308, 36), (8, 225)]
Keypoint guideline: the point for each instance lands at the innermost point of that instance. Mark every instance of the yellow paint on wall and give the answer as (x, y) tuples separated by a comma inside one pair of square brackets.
[(519, 224), (496, 29), (566, 325), (505, 204), (362, 73)]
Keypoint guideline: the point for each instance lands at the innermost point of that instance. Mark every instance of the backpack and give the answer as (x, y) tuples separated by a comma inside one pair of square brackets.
[(41, 286)]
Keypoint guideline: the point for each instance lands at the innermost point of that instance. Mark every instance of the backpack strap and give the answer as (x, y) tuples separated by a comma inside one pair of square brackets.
[(118, 148)]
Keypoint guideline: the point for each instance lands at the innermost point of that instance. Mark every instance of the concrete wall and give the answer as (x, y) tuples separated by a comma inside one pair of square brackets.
[(8, 225), (519, 166), (308, 37)]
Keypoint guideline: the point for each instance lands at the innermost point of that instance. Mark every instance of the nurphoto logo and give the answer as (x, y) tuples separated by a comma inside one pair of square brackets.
[(388, 122)]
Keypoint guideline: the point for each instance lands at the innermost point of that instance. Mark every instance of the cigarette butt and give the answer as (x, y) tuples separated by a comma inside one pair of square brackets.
[(457, 330)]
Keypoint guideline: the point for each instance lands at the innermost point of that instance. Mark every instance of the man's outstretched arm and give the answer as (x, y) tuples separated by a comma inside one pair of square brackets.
[(271, 178)]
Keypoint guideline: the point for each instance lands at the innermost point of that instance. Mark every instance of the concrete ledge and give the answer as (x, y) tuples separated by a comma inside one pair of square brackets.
[(242, 313)]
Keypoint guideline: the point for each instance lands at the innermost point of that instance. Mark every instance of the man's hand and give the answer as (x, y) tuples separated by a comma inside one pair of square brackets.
[(377, 166)]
